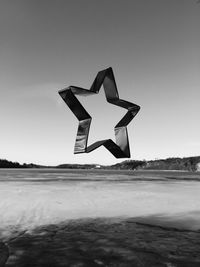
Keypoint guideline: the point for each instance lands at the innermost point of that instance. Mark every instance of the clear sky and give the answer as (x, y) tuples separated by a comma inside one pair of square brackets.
[(153, 47)]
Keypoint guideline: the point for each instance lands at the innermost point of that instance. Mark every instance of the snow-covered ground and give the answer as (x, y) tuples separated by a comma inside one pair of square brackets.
[(26, 202)]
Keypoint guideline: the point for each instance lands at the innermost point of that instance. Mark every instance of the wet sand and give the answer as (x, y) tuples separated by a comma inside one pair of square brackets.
[(104, 242)]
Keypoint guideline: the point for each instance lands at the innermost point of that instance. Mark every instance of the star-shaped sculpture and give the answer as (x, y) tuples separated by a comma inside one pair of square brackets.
[(120, 149)]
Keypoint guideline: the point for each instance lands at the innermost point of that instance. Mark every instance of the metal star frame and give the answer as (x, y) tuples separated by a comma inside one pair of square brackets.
[(121, 148)]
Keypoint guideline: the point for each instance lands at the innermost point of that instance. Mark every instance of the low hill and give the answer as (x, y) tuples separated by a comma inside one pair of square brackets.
[(185, 164), (128, 165)]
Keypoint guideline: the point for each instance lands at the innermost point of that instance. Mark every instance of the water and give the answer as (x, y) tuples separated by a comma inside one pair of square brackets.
[(33, 197)]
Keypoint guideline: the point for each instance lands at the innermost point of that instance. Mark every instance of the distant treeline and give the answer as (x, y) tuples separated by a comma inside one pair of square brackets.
[(128, 165), (9, 164), (76, 166), (4, 163), (186, 164)]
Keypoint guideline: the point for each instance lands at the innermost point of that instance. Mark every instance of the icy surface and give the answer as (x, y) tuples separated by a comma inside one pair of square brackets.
[(30, 198)]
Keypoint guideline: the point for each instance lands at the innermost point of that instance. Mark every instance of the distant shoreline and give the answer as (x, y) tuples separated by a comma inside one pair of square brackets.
[(169, 164)]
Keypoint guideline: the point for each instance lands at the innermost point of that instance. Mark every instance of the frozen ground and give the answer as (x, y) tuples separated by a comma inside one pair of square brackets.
[(31, 198)]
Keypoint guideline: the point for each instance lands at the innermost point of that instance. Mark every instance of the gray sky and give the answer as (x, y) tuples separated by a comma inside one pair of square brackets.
[(153, 47)]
